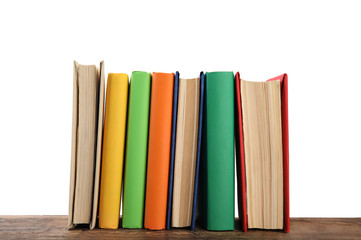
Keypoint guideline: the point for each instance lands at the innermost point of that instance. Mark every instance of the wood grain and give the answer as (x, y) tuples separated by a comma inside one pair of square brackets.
[(55, 227)]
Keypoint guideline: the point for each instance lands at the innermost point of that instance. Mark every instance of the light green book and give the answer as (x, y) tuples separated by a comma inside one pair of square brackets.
[(136, 150)]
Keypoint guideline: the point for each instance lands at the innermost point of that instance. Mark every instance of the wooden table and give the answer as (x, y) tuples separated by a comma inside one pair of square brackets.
[(54, 227)]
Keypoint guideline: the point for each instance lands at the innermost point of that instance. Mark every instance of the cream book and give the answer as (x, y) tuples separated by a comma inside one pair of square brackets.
[(185, 152), (262, 126), (88, 105)]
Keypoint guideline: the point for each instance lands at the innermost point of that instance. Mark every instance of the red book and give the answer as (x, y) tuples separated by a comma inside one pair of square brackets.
[(242, 210), (241, 176)]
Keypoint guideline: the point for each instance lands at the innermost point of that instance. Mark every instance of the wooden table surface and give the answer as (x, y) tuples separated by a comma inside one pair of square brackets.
[(54, 227)]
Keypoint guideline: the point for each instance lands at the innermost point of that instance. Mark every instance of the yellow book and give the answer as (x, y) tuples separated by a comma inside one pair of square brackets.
[(113, 150)]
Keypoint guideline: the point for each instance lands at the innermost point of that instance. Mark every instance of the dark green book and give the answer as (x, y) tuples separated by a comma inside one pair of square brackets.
[(217, 158)]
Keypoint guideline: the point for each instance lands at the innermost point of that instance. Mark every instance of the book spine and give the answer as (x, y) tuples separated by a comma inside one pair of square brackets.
[(199, 144), (113, 150), (285, 139), (136, 150), (241, 173), (159, 151), (217, 164), (173, 146)]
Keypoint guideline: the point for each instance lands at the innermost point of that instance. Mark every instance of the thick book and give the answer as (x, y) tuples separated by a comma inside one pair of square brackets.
[(135, 165), (113, 150), (262, 159), (172, 150), (217, 162), (160, 124), (88, 101), (185, 152)]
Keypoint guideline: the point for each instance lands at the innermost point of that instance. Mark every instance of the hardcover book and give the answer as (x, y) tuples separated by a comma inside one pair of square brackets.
[(217, 162), (199, 144), (262, 153), (88, 101), (136, 150), (113, 150), (185, 152), (160, 125), (172, 150)]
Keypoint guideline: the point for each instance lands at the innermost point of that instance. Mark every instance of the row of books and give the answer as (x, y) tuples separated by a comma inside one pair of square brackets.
[(175, 140)]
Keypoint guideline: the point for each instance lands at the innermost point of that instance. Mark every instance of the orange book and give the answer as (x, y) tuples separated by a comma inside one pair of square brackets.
[(158, 151)]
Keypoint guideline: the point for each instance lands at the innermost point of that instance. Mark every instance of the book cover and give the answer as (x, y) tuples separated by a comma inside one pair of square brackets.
[(217, 162), (99, 147), (136, 150), (241, 178), (160, 125), (113, 150), (199, 144), (172, 153)]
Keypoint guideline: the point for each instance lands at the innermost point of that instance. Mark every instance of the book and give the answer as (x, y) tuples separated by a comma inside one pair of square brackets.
[(88, 100), (160, 124), (217, 162), (113, 150), (241, 178), (136, 150), (262, 157), (261, 108), (172, 150), (199, 144), (185, 152)]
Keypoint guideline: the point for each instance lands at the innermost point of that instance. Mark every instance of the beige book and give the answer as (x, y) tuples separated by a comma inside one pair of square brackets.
[(186, 152), (88, 105), (262, 126)]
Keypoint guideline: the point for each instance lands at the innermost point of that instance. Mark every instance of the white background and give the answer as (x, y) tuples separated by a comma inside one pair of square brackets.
[(317, 43)]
